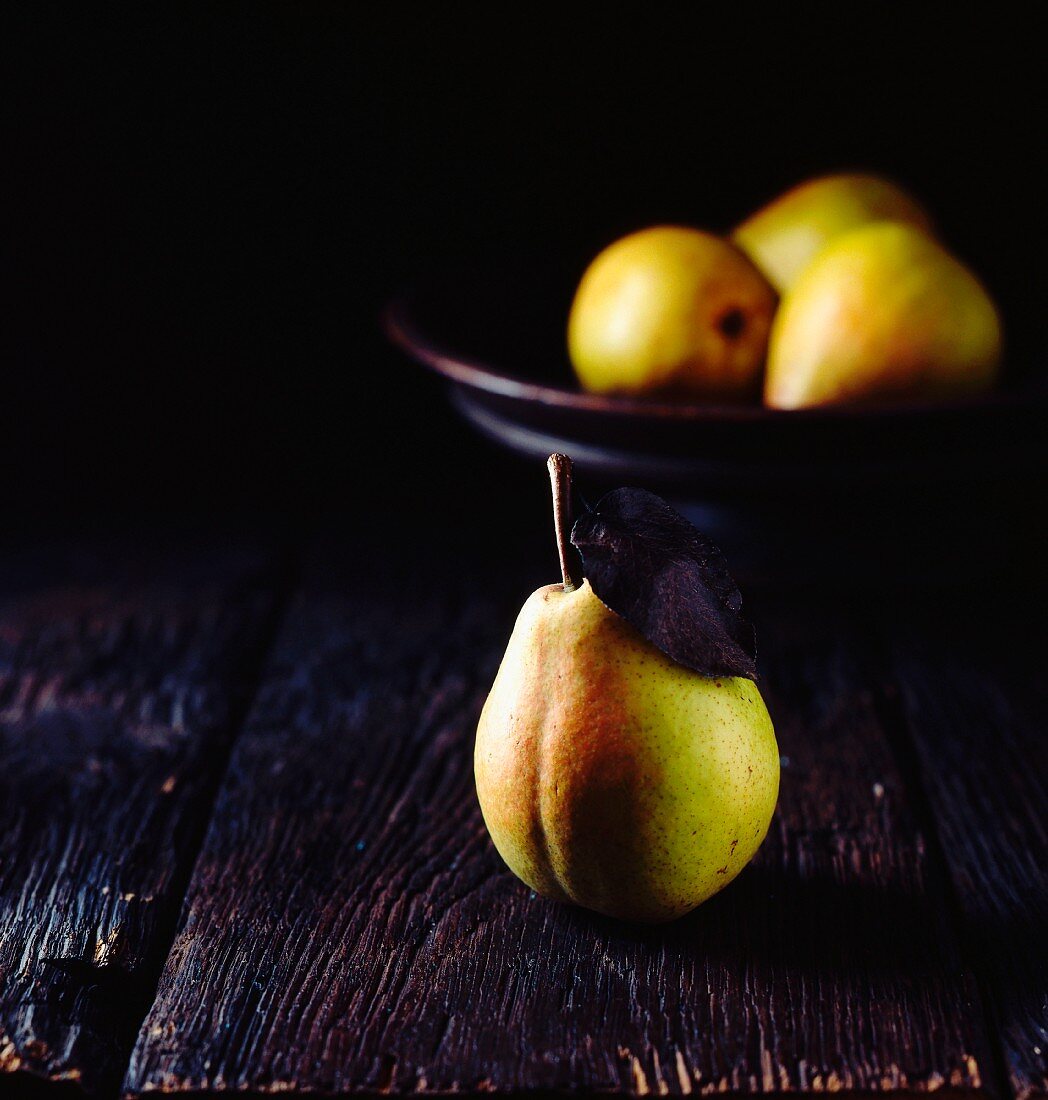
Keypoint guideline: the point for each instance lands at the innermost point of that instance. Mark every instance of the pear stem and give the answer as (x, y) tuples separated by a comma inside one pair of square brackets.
[(560, 481)]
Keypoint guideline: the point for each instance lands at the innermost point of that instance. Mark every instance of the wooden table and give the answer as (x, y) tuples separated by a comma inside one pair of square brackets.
[(241, 848)]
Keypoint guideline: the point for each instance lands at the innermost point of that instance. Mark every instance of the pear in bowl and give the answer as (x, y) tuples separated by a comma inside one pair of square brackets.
[(883, 314), (783, 237), (672, 312)]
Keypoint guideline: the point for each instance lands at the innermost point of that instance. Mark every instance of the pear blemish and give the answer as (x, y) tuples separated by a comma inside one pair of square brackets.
[(625, 760)]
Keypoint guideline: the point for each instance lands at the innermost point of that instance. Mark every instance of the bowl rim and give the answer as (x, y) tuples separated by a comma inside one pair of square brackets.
[(401, 326)]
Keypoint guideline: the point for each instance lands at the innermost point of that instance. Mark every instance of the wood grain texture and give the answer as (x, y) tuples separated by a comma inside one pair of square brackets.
[(349, 926), (117, 698), (974, 692)]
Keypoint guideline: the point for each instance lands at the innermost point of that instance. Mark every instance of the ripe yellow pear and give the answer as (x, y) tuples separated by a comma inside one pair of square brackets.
[(883, 313), (611, 776), (671, 311), (783, 237)]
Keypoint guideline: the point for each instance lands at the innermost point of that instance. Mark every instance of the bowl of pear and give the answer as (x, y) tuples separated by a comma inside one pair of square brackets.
[(827, 388)]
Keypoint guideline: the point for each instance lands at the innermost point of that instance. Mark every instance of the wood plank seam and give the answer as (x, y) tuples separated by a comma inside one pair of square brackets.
[(67, 1017), (973, 714), (900, 738), (286, 575)]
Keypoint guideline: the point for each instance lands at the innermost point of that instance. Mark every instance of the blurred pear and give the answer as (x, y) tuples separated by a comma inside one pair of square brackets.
[(883, 313), (783, 237), (671, 311)]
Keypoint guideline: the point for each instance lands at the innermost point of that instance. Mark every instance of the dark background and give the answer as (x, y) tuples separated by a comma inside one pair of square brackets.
[(208, 209)]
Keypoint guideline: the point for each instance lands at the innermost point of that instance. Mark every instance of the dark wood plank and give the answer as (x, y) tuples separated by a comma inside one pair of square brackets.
[(975, 695), (123, 670), (350, 926)]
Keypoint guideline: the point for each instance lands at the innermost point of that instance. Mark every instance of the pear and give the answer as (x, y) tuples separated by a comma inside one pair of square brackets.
[(610, 776), (882, 314), (784, 236), (671, 311)]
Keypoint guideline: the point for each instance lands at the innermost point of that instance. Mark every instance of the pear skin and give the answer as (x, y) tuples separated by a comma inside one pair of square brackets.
[(784, 236), (671, 311), (882, 314), (612, 777)]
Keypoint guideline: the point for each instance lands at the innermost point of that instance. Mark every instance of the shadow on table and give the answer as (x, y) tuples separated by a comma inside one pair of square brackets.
[(815, 925)]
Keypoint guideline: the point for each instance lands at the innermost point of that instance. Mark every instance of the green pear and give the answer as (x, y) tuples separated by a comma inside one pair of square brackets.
[(612, 777), (882, 314), (783, 237), (671, 311)]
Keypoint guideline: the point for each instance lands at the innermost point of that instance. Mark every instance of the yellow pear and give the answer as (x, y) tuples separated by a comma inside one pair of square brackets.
[(883, 313), (784, 236), (671, 311), (611, 776)]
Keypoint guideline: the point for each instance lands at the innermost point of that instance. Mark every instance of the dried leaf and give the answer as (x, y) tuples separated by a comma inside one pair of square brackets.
[(648, 564)]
